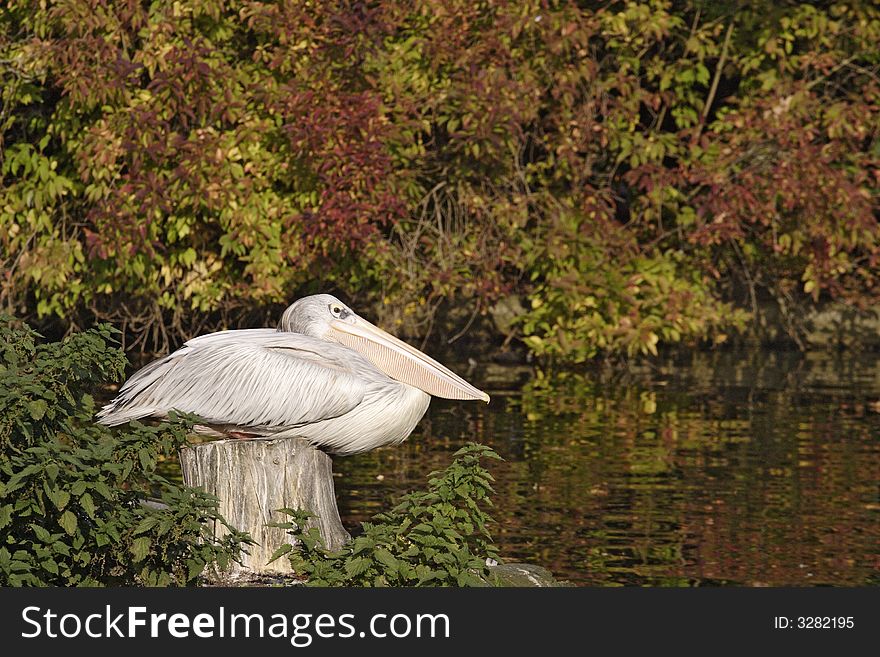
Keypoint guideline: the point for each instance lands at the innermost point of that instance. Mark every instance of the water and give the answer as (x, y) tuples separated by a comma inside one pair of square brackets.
[(754, 469)]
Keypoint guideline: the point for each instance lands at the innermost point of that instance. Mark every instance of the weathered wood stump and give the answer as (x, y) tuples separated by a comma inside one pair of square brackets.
[(254, 478)]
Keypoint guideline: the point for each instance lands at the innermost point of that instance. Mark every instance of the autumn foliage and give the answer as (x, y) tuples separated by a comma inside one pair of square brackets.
[(637, 173)]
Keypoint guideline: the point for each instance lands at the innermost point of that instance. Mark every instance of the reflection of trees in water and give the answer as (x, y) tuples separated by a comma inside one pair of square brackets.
[(757, 468)]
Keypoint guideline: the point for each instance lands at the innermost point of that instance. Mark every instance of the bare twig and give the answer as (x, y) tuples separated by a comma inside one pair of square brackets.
[(715, 81), (466, 326), (748, 275)]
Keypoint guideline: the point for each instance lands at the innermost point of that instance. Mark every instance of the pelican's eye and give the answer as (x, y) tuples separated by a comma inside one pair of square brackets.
[(336, 310)]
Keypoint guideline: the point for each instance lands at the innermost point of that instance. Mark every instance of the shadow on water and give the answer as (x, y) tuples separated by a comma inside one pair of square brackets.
[(757, 468)]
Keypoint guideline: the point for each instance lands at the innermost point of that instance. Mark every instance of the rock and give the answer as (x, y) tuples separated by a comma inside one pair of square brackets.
[(827, 325), (521, 574), (839, 325), (506, 312)]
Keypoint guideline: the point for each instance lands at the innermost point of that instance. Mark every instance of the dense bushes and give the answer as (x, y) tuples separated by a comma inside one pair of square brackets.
[(80, 505), (435, 537), (629, 169)]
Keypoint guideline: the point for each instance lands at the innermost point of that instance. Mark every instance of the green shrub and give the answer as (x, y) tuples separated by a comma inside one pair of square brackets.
[(583, 304), (81, 505), (436, 537)]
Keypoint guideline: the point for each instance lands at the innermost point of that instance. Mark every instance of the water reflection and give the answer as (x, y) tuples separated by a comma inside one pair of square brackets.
[(710, 468)]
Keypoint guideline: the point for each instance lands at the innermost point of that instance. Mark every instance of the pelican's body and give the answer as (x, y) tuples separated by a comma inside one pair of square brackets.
[(325, 374)]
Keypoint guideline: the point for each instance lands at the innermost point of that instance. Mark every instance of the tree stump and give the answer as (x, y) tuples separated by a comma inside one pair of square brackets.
[(254, 478)]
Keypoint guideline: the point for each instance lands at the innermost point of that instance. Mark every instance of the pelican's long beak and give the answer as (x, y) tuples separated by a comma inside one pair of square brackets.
[(400, 361)]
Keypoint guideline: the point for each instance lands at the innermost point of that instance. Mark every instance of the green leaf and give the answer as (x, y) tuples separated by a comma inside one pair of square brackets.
[(146, 459), (5, 515), (68, 522), (280, 552), (387, 559), (103, 489), (357, 566), (61, 548), (58, 497), (195, 567), (88, 505), (37, 408), (425, 574), (140, 548), (41, 533), (146, 524), (362, 544)]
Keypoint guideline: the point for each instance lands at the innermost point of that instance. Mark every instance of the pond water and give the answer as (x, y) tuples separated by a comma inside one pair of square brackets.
[(722, 468)]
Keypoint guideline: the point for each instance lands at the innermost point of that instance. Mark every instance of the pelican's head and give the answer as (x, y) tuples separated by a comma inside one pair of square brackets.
[(312, 315), (325, 317)]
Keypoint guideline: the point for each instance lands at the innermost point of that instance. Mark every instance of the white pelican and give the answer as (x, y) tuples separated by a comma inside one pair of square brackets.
[(324, 374)]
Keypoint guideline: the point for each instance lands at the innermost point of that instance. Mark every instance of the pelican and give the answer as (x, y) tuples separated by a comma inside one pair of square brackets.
[(325, 374)]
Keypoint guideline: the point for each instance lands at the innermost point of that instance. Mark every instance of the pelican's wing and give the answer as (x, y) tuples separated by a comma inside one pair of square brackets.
[(254, 378)]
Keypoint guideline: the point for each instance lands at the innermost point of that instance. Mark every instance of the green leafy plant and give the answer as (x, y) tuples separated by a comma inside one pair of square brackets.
[(582, 305), (435, 537), (81, 505)]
